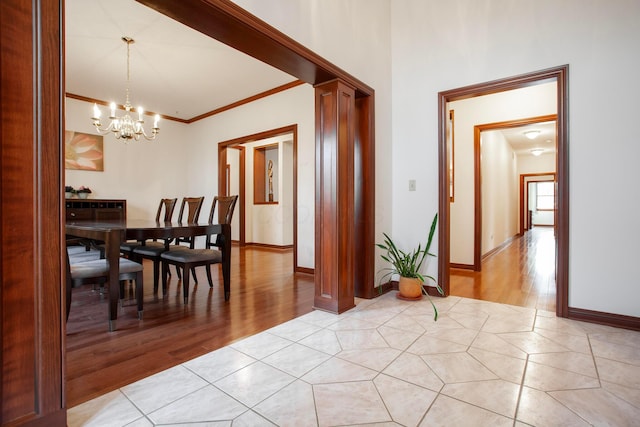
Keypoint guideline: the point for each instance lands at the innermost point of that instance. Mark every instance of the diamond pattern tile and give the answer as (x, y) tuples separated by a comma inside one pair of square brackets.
[(387, 363)]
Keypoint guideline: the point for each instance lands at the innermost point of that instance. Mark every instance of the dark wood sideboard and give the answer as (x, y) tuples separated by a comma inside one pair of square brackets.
[(96, 209)]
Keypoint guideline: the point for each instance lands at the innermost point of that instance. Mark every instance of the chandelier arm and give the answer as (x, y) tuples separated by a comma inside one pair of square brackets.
[(100, 129)]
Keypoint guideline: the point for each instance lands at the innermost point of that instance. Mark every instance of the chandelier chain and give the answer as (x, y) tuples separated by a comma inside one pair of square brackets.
[(128, 41)]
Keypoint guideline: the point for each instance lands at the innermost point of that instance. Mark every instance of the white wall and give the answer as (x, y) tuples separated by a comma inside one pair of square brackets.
[(135, 171), (355, 36), (438, 46), (294, 106), (499, 191), (271, 224), (286, 189), (528, 163)]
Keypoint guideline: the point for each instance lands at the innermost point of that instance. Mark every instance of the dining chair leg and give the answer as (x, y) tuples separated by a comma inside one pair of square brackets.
[(156, 276), (209, 276), (193, 273), (122, 293), (139, 293), (165, 273), (185, 285)]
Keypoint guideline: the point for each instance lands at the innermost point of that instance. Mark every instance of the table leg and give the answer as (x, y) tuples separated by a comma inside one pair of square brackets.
[(112, 243)]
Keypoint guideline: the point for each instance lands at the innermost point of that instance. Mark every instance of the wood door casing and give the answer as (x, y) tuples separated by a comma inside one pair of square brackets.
[(32, 211), (477, 131), (524, 195), (560, 75), (237, 144)]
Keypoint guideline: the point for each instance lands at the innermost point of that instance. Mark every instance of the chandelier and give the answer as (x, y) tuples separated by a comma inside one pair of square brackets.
[(125, 127)]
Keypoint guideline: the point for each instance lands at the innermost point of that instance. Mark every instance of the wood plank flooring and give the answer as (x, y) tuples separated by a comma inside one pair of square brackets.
[(264, 293), (523, 273)]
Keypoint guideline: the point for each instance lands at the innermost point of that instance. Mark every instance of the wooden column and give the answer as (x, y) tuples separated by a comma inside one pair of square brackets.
[(364, 199), (334, 236), (31, 214)]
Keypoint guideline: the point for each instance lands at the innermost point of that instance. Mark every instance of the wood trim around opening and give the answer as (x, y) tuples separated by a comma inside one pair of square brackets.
[(560, 76), (477, 131), (228, 23), (237, 143), (524, 194)]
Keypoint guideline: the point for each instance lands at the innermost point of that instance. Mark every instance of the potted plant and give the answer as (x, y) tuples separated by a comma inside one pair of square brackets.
[(69, 191), (407, 265), (83, 192)]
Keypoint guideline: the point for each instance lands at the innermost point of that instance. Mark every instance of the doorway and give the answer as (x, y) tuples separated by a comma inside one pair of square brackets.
[(498, 192), (537, 200), (512, 267), (559, 75), (232, 155)]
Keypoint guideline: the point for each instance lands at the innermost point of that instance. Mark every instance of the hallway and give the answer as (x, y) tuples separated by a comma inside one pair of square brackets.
[(522, 273)]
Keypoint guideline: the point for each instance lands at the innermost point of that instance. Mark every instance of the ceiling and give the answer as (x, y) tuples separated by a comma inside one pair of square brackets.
[(174, 70), (545, 140)]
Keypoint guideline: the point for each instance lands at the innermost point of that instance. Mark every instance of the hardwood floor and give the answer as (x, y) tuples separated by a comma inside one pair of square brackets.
[(523, 273), (264, 293)]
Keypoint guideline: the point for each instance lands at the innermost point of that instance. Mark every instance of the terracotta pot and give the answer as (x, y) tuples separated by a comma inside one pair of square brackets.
[(410, 288)]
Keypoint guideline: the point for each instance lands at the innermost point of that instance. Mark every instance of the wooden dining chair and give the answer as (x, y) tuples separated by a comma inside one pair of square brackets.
[(194, 205), (225, 207), (188, 258), (83, 271), (191, 206), (167, 206)]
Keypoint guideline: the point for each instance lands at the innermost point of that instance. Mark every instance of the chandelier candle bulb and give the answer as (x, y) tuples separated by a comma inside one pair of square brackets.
[(113, 109), (96, 112), (156, 120), (140, 113)]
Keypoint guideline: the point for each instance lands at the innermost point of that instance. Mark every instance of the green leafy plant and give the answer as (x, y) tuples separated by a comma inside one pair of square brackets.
[(84, 189), (69, 189), (409, 264)]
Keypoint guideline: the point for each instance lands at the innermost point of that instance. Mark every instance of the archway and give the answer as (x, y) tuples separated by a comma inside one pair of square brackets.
[(232, 25)]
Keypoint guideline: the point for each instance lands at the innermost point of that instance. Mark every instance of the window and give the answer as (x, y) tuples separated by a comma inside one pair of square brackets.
[(545, 196)]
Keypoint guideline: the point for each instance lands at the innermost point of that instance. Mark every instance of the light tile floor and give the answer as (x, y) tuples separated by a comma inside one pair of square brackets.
[(387, 363)]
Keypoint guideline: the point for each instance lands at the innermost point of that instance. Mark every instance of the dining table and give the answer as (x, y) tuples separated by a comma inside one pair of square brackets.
[(114, 232)]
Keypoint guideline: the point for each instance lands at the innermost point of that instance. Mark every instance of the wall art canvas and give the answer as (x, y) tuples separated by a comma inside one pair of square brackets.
[(83, 151)]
